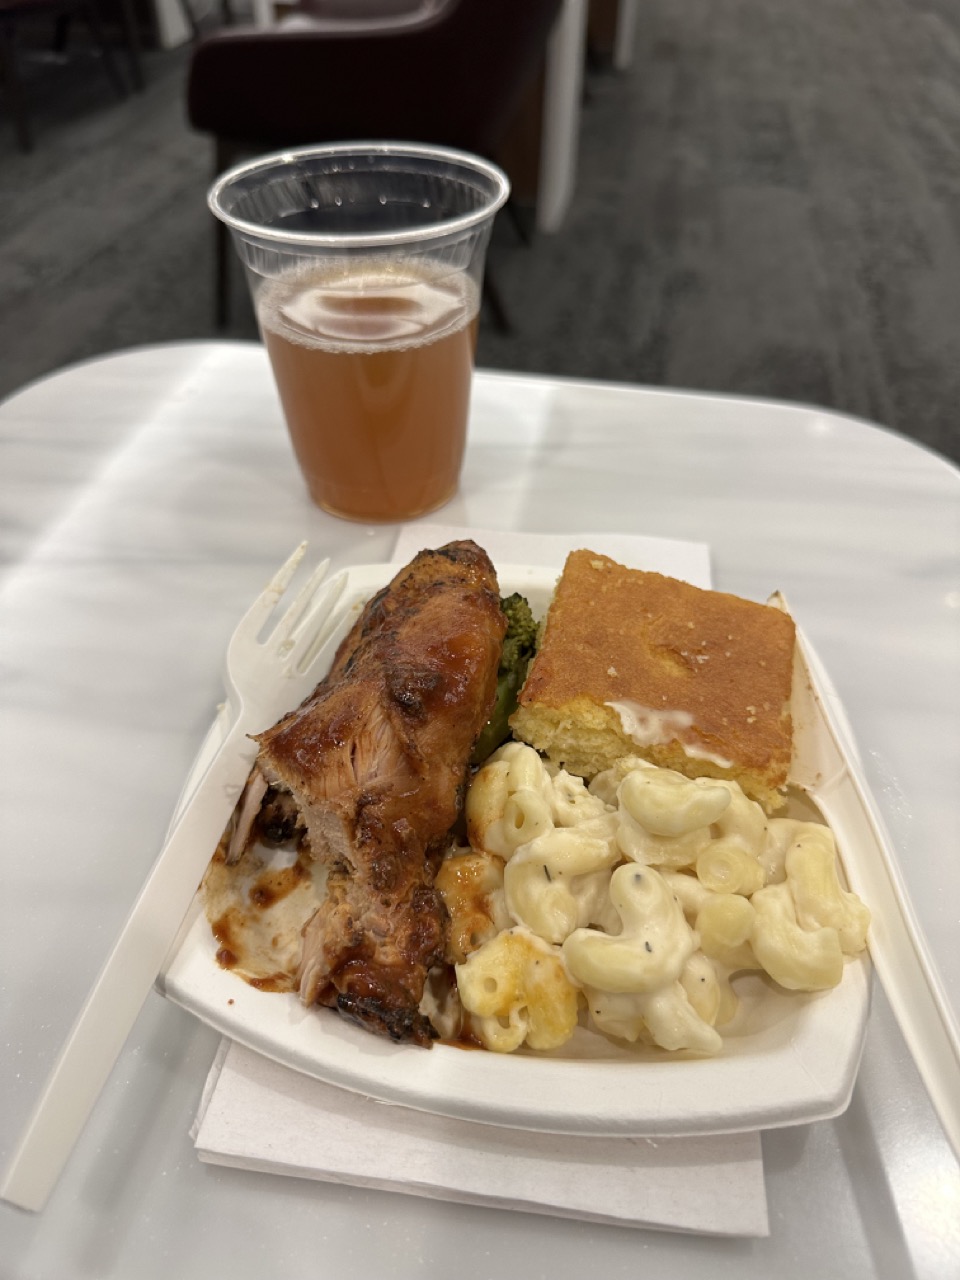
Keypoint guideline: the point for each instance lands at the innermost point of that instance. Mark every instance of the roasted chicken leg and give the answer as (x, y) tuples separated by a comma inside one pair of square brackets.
[(375, 762)]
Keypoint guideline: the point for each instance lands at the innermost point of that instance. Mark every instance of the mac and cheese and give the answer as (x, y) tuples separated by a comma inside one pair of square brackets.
[(629, 903)]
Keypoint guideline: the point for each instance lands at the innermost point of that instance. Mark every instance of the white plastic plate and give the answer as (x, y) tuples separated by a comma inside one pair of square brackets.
[(787, 1058)]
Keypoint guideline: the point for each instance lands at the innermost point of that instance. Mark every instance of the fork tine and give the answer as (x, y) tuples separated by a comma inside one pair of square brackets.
[(261, 609), (289, 624), (307, 640)]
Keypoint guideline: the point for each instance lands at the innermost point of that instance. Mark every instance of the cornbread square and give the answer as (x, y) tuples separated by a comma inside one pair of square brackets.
[(635, 663)]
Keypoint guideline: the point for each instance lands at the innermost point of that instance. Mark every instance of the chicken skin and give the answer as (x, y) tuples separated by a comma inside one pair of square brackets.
[(375, 761)]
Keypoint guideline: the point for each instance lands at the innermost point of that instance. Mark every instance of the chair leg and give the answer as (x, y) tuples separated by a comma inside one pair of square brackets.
[(10, 75), (223, 156), (131, 35), (187, 9), (512, 210), (60, 33), (494, 300), (221, 274), (92, 13)]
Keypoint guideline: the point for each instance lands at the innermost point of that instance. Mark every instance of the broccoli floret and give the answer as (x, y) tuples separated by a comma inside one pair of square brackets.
[(519, 646)]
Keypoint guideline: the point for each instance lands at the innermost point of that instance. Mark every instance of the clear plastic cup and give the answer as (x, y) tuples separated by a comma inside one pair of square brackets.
[(365, 263)]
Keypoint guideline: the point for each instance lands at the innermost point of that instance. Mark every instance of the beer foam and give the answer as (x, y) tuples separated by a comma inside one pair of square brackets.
[(368, 309)]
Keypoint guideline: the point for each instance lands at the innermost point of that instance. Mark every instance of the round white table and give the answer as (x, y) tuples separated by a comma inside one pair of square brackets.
[(146, 497)]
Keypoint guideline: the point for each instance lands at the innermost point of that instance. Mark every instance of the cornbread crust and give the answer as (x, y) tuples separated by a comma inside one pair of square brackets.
[(705, 676)]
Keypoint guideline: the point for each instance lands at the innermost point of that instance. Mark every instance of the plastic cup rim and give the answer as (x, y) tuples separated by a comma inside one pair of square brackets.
[(360, 240)]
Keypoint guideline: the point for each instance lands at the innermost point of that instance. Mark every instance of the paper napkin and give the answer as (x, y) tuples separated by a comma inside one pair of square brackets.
[(258, 1115), (687, 560)]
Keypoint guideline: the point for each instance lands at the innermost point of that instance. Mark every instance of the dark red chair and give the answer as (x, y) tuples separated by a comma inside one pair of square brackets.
[(454, 77)]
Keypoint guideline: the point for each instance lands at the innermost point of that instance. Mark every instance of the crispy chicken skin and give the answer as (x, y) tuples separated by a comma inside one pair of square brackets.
[(376, 761)]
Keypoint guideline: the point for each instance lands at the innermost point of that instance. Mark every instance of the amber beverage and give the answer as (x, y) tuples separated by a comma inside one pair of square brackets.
[(373, 364), (365, 261)]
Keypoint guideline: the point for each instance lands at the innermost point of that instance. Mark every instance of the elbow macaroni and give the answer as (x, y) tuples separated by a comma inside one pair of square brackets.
[(636, 898), (516, 991), (811, 867), (652, 946), (550, 885)]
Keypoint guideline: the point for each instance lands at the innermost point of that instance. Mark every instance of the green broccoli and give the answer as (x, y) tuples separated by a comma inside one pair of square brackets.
[(519, 646)]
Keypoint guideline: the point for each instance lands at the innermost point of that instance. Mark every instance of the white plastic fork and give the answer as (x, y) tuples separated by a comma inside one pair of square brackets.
[(111, 1008)]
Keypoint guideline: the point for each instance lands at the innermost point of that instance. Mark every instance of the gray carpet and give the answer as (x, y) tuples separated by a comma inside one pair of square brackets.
[(768, 204)]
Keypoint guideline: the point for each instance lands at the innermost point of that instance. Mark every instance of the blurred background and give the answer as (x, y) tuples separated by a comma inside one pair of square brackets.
[(763, 199)]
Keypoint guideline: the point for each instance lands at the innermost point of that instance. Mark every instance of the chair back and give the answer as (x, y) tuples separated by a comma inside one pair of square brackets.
[(454, 79)]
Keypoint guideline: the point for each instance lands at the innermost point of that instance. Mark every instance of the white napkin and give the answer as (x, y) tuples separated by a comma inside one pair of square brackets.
[(687, 560), (258, 1115)]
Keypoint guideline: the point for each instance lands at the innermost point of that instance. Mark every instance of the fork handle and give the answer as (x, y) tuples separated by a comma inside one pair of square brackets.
[(116, 998)]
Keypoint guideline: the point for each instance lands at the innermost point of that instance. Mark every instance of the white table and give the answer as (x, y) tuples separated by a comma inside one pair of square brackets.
[(144, 499)]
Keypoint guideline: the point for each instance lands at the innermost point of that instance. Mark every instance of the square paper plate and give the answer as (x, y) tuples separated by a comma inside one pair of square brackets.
[(787, 1058)]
